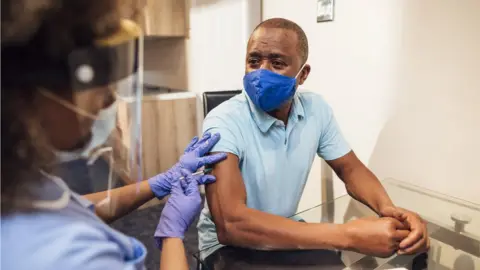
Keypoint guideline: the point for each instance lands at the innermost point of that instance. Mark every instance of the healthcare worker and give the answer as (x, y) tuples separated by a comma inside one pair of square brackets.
[(71, 90)]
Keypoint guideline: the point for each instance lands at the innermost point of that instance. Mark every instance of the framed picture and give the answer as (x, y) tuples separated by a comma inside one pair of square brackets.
[(325, 10)]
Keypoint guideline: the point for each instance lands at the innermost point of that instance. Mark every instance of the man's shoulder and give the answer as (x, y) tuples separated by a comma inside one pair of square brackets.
[(230, 119), (314, 103), (312, 99), (236, 105)]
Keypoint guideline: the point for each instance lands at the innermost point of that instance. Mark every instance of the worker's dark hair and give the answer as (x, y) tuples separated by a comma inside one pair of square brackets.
[(51, 28), (282, 23)]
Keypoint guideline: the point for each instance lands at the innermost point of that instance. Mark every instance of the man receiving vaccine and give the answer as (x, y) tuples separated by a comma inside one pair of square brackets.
[(271, 134)]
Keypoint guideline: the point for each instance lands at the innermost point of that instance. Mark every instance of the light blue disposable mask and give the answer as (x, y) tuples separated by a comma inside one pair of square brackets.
[(269, 90), (102, 127)]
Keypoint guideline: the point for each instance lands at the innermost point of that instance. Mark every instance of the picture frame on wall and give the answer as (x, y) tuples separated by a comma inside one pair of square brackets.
[(325, 10)]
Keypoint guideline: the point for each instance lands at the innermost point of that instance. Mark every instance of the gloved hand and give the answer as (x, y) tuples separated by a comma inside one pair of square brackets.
[(180, 210), (193, 157), (191, 160)]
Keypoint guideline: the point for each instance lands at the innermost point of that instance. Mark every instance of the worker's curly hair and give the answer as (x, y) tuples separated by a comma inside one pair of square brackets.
[(51, 28)]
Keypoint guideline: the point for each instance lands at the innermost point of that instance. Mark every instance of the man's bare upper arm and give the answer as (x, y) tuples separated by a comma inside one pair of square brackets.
[(228, 193)]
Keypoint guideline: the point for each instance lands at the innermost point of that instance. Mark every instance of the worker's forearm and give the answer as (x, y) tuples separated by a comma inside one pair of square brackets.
[(122, 201), (365, 187), (255, 229), (173, 254)]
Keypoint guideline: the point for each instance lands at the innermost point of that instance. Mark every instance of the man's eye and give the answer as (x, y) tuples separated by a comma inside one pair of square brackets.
[(253, 61), (278, 63)]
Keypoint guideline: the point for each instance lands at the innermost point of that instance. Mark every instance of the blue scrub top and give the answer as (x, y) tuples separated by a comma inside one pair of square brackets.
[(275, 159), (69, 238)]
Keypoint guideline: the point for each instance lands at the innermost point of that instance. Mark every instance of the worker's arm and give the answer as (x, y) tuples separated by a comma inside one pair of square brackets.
[(173, 255), (122, 201), (360, 182), (128, 198), (125, 199), (239, 225)]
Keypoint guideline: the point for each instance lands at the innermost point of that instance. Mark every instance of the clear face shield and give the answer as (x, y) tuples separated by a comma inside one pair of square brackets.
[(106, 81)]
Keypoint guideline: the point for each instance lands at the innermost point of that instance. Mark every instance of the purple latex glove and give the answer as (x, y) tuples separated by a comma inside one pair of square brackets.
[(192, 160), (180, 210), (194, 156)]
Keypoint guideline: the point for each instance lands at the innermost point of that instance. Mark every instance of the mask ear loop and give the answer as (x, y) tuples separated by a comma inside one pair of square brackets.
[(70, 106), (66, 104), (300, 71), (96, 155)]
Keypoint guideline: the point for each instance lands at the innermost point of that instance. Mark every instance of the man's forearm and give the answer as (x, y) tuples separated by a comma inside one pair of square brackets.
[(365, 187), (255, 229), (122, 201)]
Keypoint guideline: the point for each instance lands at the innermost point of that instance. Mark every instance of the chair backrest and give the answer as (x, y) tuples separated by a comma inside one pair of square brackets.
[(212, 99)]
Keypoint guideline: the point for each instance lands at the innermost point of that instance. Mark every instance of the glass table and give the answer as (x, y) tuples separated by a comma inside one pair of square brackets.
[(453, 226)]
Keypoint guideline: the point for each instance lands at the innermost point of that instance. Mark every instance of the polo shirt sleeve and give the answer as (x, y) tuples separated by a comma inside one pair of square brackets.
[(331, 144), (230, 136)]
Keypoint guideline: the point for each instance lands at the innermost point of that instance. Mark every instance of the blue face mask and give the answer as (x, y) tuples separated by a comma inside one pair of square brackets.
[(269, 90)]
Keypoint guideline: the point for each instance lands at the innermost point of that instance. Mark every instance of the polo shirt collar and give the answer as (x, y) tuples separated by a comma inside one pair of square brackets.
[(297, 109), (264, 121)]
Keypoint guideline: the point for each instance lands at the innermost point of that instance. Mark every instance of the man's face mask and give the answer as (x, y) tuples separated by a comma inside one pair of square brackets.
[(269, 90)]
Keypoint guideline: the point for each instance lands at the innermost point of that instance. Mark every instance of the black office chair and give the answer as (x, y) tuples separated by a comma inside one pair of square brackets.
[(212, 99)]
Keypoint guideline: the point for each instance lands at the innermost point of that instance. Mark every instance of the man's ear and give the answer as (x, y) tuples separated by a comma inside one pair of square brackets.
[(304, 74)]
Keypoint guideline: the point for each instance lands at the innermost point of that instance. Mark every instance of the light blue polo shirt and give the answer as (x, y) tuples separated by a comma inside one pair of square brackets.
[(274, 160)]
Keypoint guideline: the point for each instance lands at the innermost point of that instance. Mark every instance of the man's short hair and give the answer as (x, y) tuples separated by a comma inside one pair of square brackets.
[(282, 23)]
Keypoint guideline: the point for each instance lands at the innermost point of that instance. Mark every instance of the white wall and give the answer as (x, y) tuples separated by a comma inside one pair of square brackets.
[(219, 32), (403, 78), (433, 139)]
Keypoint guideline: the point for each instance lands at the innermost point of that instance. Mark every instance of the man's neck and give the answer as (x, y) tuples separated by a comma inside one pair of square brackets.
[(282, 112)]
